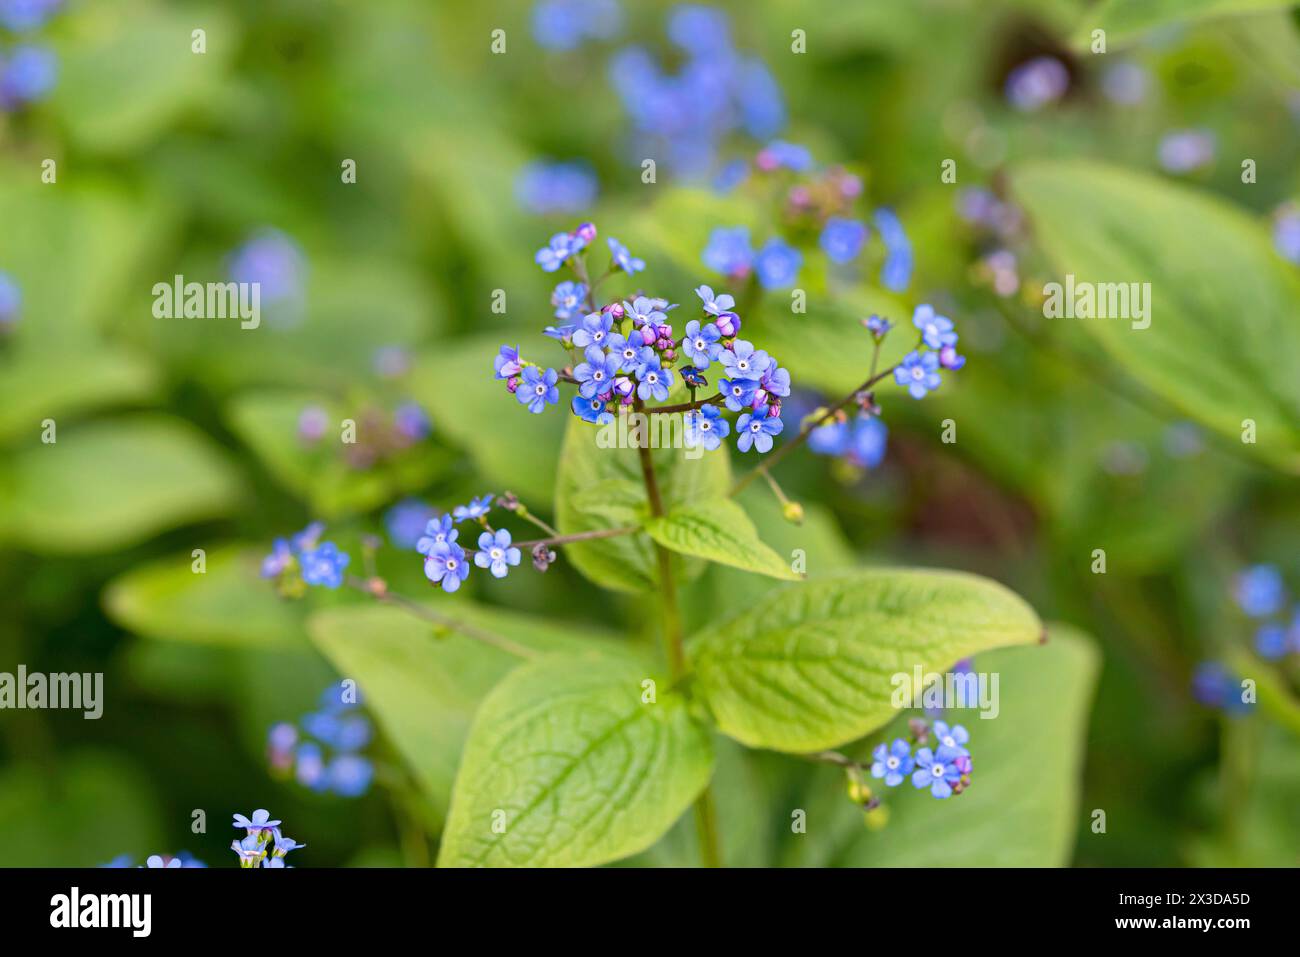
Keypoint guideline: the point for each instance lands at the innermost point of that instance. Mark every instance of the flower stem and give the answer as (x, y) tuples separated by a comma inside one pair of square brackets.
[(684, 406), (706, 825)]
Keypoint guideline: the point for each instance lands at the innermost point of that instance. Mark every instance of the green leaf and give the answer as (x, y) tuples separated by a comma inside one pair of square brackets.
[(107, 485), (1126, 19), (1022, 808), (600, 488), (718, 530), (59, 384), (566, 767), (424, 689), (228, 604), (812, 665), (1222, 344)]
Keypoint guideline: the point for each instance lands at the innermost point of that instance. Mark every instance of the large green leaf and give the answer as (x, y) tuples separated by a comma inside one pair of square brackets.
[(56, 383), (566, 766), (228, 604), (1126, 19), (601, 488), (1022, 808), (718, 530), (424, 689), (107, 485), (813, 665), (1223, 344)]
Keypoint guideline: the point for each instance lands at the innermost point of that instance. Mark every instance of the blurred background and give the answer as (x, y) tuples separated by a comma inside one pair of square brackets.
[(133, 149)]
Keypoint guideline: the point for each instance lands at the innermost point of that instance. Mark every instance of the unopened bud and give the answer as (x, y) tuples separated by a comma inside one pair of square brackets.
[(793, 512)]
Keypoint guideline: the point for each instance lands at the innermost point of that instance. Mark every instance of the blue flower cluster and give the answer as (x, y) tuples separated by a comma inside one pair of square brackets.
[(945, 770), (684, 117), (322, 750), (565, 24), (630, 355), (264, 844), (447, 563), (169, 862), (382, 437), (817, 200), (544, 188), (304, 560), (861, 441), (1214, 686), (11, 300), (1260, 592), (918, 372), (28, 71)]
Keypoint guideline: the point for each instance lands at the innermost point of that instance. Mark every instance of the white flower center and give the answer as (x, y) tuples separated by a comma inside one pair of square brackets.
[(699, 345), (918, 373), (891, 763), (950, 741), (705, 426), (742, 365), (541, 390), (652, 378), (451, 564), (936, 769), (496, 554)]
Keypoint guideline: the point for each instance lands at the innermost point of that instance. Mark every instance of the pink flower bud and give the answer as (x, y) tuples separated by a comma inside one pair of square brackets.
[(648, 335), (614, 309), (586, 232), (728, 324), (512, 384), (665, 331), (774, 410)]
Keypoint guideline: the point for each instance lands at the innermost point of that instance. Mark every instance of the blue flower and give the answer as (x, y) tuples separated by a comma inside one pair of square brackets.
[(274, 564), (283, 845), (953, 738), (950, 359), (1259, 590), (10, 300), (563, 332), (250, 851), (259, 822), (738, 393), (545, 187), (627, 350), (438, 531), (406, 521), (777, 264), (701, 344), (554, 254), (892, 763), (27, 75), (655, 381), (742, 361), (1216, 687), (896, 272), (496, 552), (538, 389), (624, 259), (411, 421), (476, 509), (307, 538), (866, 447), (729, 252), (705, 426), (1036, 83), (843, 239), (276, 264), (348, 775), (936, 330), (644, 311), (324, 565), (832, 438), (779, 154), (564, 24), (596, 375), (756, 430), (156, 861), (22, 16), (567, 299), (877, 326), (594, 330), (591, 410), (1271, 641), (775, 380), (936, 771), (309, 766), (446, 566), (507, 362), (715, 305), (918, 373), (693, 377)]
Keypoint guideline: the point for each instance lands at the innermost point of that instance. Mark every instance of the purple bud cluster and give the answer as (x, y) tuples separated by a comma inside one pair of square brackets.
[(322, 751), (381, 435)]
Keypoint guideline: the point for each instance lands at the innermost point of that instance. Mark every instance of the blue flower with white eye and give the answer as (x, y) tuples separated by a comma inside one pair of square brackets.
[(843, 239), (937, 771), (715, 305), (729, 252), (476, 509), (777, 264), (892, 763), (954, 738), (1259, 590), (446, 566), (645, 311), (555, 253), (918, 372), (738, 394), (775, 380), (324, 565), (623, 259), (594, 330), (936, 330), (743, 361), (896, 273), (539, 389), (655, 381), (259, 822), (567, 299), (438, 531), (756, 430), (591, 410), (496, 553), (596, 375), (701, 343), (705, 426), (627, 350)]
